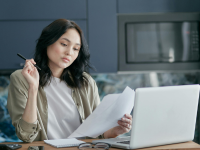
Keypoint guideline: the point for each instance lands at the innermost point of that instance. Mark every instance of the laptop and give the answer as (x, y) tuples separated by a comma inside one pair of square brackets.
[(161, 115)]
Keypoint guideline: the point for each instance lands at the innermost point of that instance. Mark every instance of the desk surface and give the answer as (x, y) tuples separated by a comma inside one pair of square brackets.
[(180, 146)]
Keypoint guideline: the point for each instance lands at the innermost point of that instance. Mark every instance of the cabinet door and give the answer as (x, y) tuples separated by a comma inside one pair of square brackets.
[(145, 6), (42, 9), (102, 26), (20, 37), (21, 23)]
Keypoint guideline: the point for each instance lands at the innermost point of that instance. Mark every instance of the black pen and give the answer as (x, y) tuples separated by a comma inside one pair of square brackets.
[(25, 59)]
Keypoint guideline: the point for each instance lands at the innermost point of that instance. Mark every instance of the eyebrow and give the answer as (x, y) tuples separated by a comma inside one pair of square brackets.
[(70, 41)]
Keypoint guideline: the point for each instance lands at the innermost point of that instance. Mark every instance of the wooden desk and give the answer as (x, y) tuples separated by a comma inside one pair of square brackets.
[(181, 146)]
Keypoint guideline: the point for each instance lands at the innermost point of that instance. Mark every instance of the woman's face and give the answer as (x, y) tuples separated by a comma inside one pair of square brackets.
[(64, 51)]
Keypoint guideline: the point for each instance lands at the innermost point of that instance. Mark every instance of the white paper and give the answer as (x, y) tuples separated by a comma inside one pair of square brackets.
[(105, 116)]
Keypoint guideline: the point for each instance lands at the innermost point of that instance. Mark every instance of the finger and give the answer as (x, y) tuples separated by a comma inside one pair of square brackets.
[(129, 121), (30, 64), (26, 64), (130, 126), (24, 70), (127, 125), (29, 67), (128, 116), (124, 128), (32, 60), (35, 69)]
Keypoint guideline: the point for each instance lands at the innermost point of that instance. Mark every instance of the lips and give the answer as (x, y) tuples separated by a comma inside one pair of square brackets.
[(66, 60)]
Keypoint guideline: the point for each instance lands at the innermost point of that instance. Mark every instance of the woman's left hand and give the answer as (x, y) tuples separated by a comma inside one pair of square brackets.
[(125, 125)]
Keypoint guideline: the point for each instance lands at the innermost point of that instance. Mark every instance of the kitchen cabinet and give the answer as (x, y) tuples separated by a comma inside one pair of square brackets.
[(21, 23)]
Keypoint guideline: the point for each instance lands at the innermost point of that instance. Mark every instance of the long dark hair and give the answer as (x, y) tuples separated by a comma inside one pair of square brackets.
[(72, 75)]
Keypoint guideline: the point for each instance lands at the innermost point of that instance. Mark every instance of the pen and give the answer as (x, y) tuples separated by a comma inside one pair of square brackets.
[(25, 59)]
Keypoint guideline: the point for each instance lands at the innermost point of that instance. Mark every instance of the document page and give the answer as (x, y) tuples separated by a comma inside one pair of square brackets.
[(105, 116)]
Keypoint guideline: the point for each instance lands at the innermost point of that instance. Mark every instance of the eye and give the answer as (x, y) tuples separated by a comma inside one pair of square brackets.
[(63, 44), (76, 49)]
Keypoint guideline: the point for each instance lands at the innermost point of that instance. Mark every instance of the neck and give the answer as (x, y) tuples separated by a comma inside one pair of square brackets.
[(56, 72)]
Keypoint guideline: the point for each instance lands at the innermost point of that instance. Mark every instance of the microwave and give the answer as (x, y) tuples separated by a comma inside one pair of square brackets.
[(158, 42)]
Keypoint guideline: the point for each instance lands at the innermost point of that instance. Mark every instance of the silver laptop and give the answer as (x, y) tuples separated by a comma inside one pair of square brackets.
[(161, 115)]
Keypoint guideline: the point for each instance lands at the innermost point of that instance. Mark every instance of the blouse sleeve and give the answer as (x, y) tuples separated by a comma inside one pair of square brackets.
[(96, 103), (17, 98), (96, 99)]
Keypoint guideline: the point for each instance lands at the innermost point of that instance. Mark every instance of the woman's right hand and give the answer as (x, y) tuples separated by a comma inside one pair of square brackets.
[(30, 73)]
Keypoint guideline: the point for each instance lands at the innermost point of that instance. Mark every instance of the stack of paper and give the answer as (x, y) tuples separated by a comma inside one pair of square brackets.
[(64, 142)]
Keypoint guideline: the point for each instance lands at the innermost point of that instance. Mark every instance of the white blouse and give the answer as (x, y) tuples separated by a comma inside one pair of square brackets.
[(63, 116)]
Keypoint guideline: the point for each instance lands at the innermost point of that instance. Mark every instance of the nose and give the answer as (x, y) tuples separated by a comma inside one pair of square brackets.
[(69, 50)]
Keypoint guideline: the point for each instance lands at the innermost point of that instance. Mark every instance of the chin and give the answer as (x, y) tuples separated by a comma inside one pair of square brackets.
[(64, 66)]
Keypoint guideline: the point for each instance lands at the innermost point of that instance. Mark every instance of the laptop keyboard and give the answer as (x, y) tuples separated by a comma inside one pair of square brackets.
[(124, 142)]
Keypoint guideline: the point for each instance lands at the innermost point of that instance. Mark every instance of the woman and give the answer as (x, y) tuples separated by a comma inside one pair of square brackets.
[(52, 103)]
